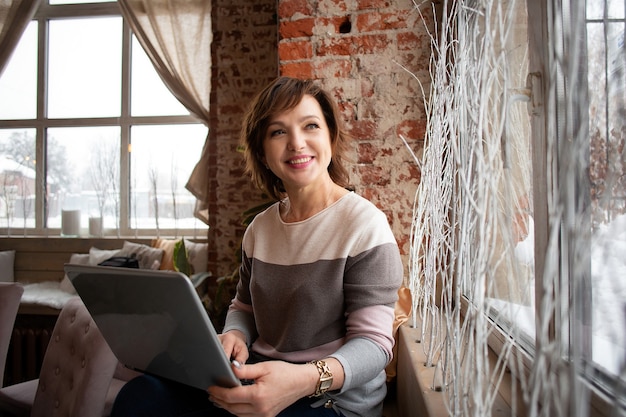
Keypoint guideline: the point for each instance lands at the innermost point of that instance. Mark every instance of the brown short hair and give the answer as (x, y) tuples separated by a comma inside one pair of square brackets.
[(283, 94)]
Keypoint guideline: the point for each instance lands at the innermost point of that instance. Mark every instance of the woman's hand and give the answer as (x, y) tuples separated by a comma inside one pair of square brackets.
[(276, 386), (234, 344)]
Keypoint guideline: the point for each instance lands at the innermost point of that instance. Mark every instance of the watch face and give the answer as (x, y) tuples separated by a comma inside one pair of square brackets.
[(325, 384)]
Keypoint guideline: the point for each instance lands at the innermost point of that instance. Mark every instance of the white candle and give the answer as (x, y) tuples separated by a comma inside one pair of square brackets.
[(95, 226), (70, 222)]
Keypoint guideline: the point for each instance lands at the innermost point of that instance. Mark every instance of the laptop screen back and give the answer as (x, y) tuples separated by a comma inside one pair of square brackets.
[(154, 322)]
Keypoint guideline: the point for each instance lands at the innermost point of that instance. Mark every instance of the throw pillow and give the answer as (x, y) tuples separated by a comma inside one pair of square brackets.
[(198, 255), (99, 255), (76, 259), (148, 257), (7, 261), (167, 245)]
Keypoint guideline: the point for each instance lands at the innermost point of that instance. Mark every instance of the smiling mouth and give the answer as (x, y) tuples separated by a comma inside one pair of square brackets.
[(297, 161)]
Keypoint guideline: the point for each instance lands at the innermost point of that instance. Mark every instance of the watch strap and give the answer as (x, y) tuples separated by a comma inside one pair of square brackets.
[(326, 378)]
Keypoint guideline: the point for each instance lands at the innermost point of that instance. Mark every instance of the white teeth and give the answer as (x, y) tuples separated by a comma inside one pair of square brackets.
[(299, 161)]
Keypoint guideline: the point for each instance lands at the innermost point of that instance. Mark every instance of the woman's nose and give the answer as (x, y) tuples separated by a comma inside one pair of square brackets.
[(296, 141)]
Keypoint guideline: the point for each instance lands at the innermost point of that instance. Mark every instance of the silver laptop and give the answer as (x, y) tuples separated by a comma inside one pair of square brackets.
[(154, 322)]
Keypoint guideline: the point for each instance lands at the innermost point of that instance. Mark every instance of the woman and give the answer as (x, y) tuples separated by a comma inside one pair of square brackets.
[(311, 323)]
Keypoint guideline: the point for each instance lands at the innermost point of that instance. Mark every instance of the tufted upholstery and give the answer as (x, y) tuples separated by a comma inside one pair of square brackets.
[(76, 372), (10, 295)]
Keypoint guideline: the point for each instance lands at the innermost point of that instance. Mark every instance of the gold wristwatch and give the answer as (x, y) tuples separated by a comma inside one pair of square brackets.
[(326, 378)]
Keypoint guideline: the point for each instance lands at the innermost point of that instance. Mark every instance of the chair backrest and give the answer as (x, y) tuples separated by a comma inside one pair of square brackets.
[(10, 296), (77, 368)]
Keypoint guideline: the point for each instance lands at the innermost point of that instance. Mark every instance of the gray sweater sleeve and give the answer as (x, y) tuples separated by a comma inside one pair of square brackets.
[(362, 361)]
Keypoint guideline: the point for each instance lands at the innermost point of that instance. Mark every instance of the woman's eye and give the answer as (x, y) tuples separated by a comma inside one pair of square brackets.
[(277, 132), (312, 126)]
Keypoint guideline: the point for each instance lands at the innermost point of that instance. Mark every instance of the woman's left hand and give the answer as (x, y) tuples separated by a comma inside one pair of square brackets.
[(276, 386)]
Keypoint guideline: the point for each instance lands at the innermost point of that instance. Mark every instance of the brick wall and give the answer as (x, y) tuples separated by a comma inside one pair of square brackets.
[(357, 49), (244, 60)]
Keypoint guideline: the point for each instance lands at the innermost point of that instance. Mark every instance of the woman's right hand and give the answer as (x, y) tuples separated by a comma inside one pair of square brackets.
[(234, 344)]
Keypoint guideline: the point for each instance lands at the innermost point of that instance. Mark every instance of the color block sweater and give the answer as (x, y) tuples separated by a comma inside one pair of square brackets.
[(325, 286)]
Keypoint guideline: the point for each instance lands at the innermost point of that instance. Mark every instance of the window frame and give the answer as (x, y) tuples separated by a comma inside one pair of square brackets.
[(571, 330), (125, 121)]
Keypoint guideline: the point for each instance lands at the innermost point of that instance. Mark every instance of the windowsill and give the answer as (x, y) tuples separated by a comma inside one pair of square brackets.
[(415, 397), (414, 394)]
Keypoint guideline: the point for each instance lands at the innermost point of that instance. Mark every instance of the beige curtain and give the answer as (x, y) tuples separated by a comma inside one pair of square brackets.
[(176, 35), (14, 17)]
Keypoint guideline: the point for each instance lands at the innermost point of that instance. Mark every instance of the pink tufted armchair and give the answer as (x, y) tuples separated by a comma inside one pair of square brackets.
[(76, 372), (10, 296)]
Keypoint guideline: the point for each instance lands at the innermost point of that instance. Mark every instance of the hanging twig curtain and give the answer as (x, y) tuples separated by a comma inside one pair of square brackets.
[(177, 35)]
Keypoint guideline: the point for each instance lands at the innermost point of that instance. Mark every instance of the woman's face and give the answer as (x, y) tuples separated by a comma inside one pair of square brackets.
[(297, 145)]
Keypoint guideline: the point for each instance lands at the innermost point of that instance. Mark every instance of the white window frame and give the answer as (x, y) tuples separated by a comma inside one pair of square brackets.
[(44, 14)]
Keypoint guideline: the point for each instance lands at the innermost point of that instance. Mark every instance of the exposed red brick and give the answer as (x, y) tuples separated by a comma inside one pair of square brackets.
[(230, 109), (295, 50), (331, 6), (408, 41), (352, 45), (337, 68), (363, 129), (412, 129), (335, 47), (288, 8), (346, 108), (302, 70), (373, 175), (334, 21), (367, 22), (373, 4), (413, 173), (296, 28), (367, 88), (366, 153)]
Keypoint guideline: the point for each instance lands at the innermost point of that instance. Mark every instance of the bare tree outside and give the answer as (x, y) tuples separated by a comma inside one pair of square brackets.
[(174, 187), (153, 178), (103, 172), (18, 175)]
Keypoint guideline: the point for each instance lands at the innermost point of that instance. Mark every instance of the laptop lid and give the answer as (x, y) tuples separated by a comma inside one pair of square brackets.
[(154, 322)]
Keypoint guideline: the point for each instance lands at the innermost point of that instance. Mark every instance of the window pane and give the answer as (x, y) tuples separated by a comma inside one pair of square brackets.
[(162, 159), (85, 67), (18, 82), (503, 180), (596, 8), (149, 95), (83, 174), (606, 63), (17, 178)]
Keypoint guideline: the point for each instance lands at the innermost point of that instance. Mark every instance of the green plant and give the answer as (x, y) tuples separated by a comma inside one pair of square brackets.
[(181, 259)]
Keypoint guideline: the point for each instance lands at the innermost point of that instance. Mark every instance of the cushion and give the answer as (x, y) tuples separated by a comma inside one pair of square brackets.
[(77, 259), (46, 293), (7, 260), (99, 255), (167, 245), (148, 257), (197, 252), (198, 255)]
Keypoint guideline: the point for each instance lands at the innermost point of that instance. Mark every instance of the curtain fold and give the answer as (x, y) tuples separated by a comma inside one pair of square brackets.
[(14, 17), (176, 35)]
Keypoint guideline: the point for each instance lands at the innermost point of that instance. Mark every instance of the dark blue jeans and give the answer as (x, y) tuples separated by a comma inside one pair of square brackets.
[(148, 396)]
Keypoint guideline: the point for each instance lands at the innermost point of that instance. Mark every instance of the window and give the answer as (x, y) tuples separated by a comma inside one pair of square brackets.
[(520, 221), (576, 305), (87, 126)]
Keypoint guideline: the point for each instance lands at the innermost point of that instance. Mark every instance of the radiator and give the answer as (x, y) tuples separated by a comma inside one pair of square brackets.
[(26, 352)]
